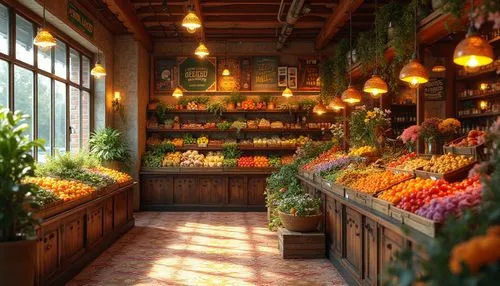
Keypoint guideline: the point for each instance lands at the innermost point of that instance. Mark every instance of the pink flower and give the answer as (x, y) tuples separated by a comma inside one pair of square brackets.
[(411, 134)]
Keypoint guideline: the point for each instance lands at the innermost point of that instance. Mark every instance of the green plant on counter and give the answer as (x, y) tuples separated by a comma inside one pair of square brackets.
[(236, 97), (266, 98), (307, 104), (200, 99), (223, 126), (300, 205), (216, 107), (16, 163), (107, 145), (161, 113), (231, 151)]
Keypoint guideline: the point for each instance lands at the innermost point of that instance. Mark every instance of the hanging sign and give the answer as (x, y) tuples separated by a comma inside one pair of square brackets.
[(197, 74), (309, 74), (435, 89), (232, 81), (265, 73), (80, 20)]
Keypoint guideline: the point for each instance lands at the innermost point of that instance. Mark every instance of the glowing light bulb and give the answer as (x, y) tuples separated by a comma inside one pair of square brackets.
[(414, 82), (472, 62)]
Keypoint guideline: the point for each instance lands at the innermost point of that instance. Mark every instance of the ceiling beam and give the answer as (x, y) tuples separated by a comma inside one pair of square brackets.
[(336, 20), (242, 24), (220, 3), (197, 10), (126, 13)]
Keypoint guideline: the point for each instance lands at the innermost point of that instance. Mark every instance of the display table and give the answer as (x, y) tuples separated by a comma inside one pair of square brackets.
[(69, 240), (361, 242)]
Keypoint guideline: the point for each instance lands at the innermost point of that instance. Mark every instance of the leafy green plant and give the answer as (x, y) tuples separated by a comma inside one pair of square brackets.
[(152, 160), (45, 197), (183, 101), (300, 205), (16, 163), (216, 107), (359, 132), (162, 148), (200, 99), (222, 126), (236, 97), (307, 104), (266, 98), (161, 113), (231, 151), (107, 145), (366, 50), (339, 66), (61, 163)]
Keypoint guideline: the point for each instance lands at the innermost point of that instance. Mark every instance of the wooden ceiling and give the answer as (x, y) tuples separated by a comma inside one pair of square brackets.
[(228, 20)]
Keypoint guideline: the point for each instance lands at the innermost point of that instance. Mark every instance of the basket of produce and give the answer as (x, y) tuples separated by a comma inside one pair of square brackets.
[(449, 167), (264, 124), (409, 166), (202, 141), (470, 145), (259, 142)]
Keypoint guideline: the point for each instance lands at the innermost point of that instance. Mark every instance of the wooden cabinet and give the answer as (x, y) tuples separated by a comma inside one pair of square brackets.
[(330, 224), (160, 190), (339, 229), (256, 188), (212, 190), (354, 241), (73, 240), (390, 243), (370, 252), (185, 191), (49, 251), (236, 190), (108, 216), (95, 224), (120, 208)]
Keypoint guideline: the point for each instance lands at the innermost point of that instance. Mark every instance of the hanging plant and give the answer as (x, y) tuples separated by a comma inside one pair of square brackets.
[(339, 66), (327, 77), (366, 50)]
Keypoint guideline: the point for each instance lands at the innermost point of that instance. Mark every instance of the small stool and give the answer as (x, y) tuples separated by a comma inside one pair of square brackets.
[(301, 245)]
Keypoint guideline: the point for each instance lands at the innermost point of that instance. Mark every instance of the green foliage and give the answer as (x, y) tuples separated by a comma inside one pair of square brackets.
[(307, 104), (152, 160), (224, 125), (266, 98), (236, 97), (161, 148), (365, 50), (107, 145), (231, 151), (216, 107), (300, 205), (161, 112), (339, 66), (359, 132), (183, 101), (45, 197), (16, 163), (326, 70), (200, 99)]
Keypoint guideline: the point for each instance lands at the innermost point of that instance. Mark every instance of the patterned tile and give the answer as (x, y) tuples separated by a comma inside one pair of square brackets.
[(202, 249)]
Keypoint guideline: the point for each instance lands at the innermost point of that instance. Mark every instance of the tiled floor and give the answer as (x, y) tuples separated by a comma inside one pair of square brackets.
[(202, 249)]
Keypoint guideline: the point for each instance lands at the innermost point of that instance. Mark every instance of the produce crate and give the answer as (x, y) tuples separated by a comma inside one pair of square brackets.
[(317, 178), (301, 245), (397, 214), (359, 197), (401, 171), (453, 176), (422, 224), (338, 189), (381, 206), (477, 152), (129, 182), (48, 209), (274, 145), (309, 175)]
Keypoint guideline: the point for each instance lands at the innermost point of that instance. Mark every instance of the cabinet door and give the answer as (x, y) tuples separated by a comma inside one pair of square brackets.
[(130, 203), (391, 243), (73, 236), (108, 216), (95, 224), (330, 224), (339, 229), (157, 190), (354, 241), (256, 188), (49, 251), (370, 259), (212, 191), (185, 191), (236, 190), (120, 207)]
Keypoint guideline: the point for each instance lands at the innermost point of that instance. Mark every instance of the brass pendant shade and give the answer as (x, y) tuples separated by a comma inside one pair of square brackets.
[(191, 22), (473, 51), (202, 50), (438, 66), (226, 72), (287, 93), (336, 104), (98, 71), (319, 108), (375, 86), (414, 73), (351, 95), (44, 39), (177, 92)]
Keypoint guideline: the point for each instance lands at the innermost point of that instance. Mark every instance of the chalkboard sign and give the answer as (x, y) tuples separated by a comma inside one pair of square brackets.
[(197, 74), (309, 74), (265, 73), (435, 89)]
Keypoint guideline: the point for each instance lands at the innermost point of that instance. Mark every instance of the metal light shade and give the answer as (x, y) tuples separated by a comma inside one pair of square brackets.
[(336, 104), (351, 95), (98, 71), (201, 51), (226, 72), (287, 92), (177, 92), (375, 85), (438, 66), (414, 73), (44, 39), (191, 22), (473, 51), (319, 108)]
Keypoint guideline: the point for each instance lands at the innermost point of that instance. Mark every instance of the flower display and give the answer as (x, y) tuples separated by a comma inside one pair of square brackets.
[(430, 128), (411, 134), (449, 125)]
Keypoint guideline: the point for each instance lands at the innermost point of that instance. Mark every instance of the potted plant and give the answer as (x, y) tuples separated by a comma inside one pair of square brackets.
[(107, 145), (17, 226), (161, 113), (431, 134), (300, 212), (271, 105)]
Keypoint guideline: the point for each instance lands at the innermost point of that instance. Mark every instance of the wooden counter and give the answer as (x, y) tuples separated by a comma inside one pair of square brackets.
[(69, 240), (360, 242)]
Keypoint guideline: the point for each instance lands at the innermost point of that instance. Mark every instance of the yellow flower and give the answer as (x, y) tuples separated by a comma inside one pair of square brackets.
[(366, 120)]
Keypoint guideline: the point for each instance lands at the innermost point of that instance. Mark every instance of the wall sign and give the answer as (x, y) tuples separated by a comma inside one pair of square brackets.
[(265, 73), (80, 20), (292, 77), (231, 82), (282, 77), (246, 74), (435, 89), (309, 74), (165, 74), (196, 74)]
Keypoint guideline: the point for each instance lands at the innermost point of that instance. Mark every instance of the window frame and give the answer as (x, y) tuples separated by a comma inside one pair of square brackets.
[(19, 10)]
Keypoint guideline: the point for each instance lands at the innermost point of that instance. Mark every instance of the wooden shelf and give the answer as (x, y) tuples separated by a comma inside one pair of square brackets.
[(491, 69), (479, 115), (240, 111), (245, 130), (240, 147), (214, 171), (404, 105), (481, 96)]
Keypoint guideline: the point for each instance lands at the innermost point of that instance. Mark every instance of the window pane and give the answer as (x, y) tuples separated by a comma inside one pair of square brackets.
[(23, 94), (74, 119), (24, 40), (74, 66), (45, 59), (85, 118), (60, 59), (4, 83), (4, 29), (85, 72), (44, 115), (60, 117)]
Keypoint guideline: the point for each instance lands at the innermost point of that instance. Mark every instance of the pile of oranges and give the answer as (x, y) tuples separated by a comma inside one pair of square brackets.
[(119, 177), (394, 194), (375, 182), (64, 189), (261, 161)]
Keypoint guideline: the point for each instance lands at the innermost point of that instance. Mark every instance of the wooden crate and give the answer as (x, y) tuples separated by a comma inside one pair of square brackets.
[(397, 214), (401, 171), (477, 152), (453, 176), (338, 189), (359, 197), (422, 224), (301, 245), (381, 206)]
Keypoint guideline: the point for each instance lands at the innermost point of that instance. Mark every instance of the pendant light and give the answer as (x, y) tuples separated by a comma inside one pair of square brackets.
[(191, 22), (98, 70), (177, 92), (351, 94), (44, 38), (336, 104), (319, 108), (201, 51), (287, 93), (375, 85), (414, 73), (438, 66), (473, 51), (226, 71)]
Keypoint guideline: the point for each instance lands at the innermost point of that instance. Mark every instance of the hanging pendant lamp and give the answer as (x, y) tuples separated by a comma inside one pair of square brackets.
[(438, 66), (177, 92), (319, 108), (336, 104), (414, 73), (351, 94), (191, 22), (375, 85), (226, 72), (202, 50), (287, 93), (44, 38), (98, 70)]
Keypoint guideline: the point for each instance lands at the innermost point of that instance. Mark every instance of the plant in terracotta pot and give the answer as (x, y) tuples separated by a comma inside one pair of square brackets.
[(300, 212), (107, 145), (17, 226), (271, 105)]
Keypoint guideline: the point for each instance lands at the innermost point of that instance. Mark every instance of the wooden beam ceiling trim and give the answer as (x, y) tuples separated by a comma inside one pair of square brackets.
[(336, 20), (242, 25), (197, 10), (100, 12), (126, 13)]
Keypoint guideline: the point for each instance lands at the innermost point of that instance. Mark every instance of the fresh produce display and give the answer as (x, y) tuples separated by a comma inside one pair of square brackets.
[(474, 138), (248, 104), (223, 125), (261, 162), (192, 158), (260, 142), (375, 182), (172, 159), (352, 174), (95, 180), (63, 189), (202, 141), (415, 185), (45, 197), (413, 164), (213, 159), (118, 176), (327, 156), (246, 161), (189, 139), (446, 163), (401, 160), (264, 123), (287, 159), (178, 142), (275, 161), (229, 163), (363, 151)]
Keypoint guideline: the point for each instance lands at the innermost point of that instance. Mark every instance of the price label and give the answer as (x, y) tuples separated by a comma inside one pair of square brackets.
[(433, 178)]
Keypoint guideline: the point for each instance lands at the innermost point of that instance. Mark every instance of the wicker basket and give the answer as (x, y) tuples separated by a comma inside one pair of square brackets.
[(300, 223)]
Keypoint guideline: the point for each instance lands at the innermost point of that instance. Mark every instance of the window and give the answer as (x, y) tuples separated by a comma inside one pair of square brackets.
[(52, 85)]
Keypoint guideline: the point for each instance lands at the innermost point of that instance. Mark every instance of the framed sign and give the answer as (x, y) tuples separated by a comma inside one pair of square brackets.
[(245, 74), (309, 74), (265, 73), (282, 76), (196, 74), (232, 81), (435, 89), (292, 77), (80, 20), (165, 74)]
